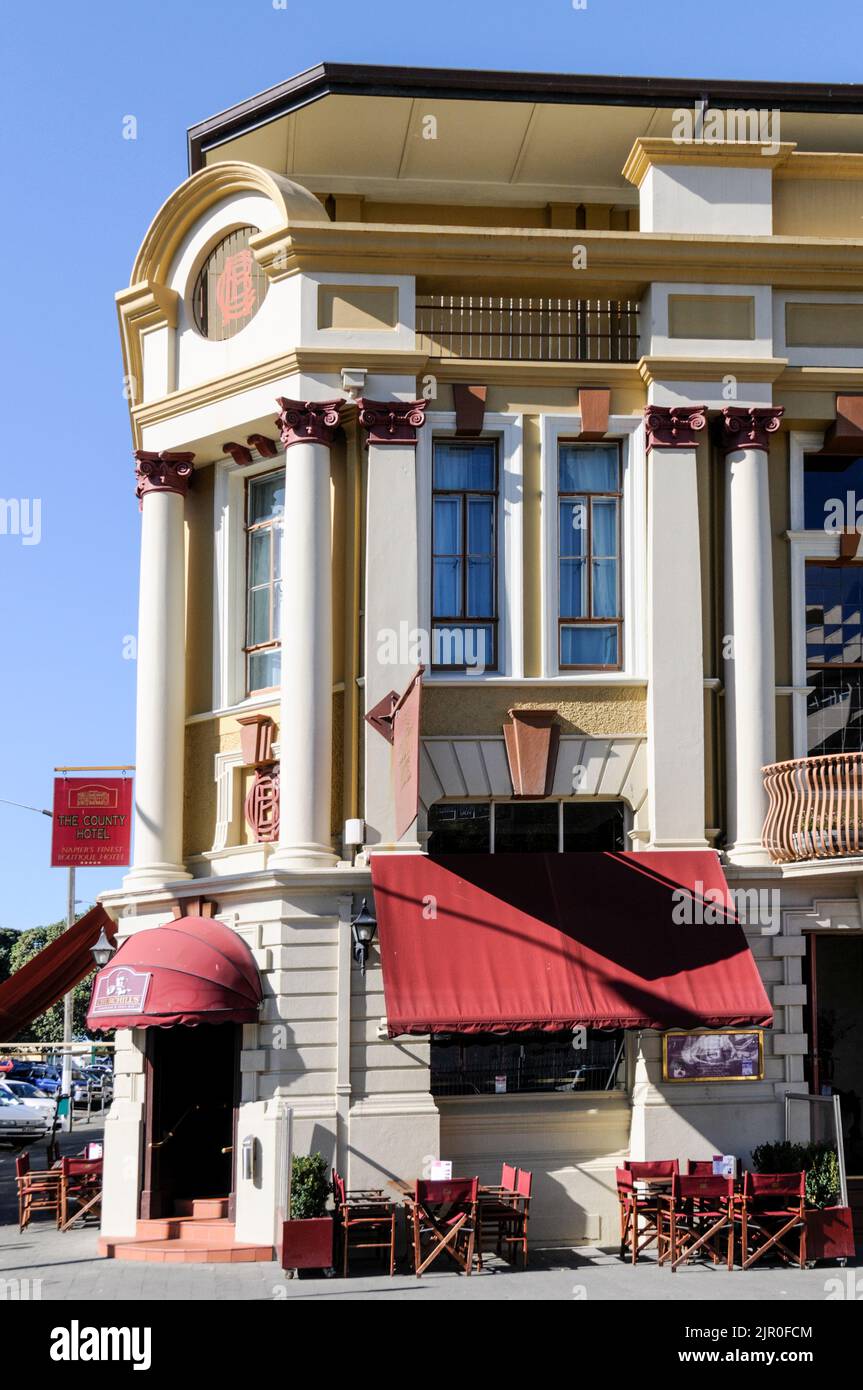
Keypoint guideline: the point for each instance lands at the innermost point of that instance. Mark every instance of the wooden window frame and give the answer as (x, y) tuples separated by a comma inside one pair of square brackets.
[(249, 529), (591, 621), (465, 494)]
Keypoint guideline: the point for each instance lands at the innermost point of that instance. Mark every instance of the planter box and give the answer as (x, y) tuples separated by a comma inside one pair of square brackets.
[(829, 1234), (308, 1244)]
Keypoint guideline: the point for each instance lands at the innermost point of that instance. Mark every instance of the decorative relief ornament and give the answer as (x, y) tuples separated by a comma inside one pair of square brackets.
[(262, 805), (307, 422), (674, 426), (744, 427), (391, 422), (164, 472)]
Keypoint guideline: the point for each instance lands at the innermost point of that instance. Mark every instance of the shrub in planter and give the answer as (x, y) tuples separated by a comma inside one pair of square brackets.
[(307, 1241), (829, 1230)]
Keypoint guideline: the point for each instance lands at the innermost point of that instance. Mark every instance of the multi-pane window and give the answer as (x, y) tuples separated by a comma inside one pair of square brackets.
[(517, 827), (590, 619), (265, 507), (834, 656), (832, 489), (464, 555)]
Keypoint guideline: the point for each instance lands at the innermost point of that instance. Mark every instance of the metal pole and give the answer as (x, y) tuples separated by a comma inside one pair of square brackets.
[(68, 1001)]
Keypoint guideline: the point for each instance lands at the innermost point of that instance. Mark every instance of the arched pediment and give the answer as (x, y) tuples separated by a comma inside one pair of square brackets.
[(188, 203)]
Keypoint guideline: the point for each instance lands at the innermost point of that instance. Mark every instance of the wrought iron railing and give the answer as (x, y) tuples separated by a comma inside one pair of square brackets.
[(815, 808), (508, 328)]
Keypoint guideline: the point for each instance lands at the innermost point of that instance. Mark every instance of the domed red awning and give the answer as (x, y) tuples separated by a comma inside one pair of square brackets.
[(189, 971)]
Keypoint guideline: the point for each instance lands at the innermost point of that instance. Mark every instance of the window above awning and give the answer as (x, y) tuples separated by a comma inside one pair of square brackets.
[(512, 942), (190, 971)]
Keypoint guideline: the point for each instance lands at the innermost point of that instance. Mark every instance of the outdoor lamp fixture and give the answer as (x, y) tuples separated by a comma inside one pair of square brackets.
[(363, 928), (102, 951)]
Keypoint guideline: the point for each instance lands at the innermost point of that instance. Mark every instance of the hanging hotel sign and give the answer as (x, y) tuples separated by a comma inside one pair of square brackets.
[(729, 1054), (92, 821), (119, 991)]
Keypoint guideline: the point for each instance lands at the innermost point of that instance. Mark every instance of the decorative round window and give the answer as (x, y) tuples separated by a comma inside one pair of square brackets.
[(230, 288)]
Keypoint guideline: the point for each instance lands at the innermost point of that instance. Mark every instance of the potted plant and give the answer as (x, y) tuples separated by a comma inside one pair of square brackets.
[(307, 1235), (829, 1228)]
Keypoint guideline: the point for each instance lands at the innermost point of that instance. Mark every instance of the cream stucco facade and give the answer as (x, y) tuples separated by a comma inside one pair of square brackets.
[(747, 288)]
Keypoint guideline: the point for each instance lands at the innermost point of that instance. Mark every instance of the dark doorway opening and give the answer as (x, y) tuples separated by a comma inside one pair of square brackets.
[(833, 1020), (192, 1098)]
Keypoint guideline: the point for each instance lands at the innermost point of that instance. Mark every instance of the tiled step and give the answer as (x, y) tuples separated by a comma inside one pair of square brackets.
[(213, 1208), (195, 1230), (178, 1251)]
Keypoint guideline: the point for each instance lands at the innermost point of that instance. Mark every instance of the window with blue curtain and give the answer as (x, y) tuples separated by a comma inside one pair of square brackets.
[(590, 618), (464, 554)]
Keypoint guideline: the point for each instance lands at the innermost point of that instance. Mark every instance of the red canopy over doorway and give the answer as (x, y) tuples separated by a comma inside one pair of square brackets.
[(193, 970)]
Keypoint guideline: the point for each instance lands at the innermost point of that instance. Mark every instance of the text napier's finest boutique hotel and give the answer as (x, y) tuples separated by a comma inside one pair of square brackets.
[(500, 657)]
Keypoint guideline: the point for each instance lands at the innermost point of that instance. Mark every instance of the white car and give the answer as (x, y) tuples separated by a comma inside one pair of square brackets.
[(32, 1097), (18, 1125)]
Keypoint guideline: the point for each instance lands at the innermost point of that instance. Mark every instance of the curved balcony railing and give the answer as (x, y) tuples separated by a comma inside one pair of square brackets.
[(815, 808)]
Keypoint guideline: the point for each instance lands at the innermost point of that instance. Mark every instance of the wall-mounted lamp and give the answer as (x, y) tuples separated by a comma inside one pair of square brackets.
[(363, 928), (102, 951)]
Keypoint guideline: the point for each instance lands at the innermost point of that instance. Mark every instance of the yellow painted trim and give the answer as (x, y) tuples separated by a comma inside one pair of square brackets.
[(653, 150), (652, 369), (187, 204), (805, 165)]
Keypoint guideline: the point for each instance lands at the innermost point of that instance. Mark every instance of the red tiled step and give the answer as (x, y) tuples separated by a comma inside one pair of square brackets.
[(213, 1208), (177, 1251), (195, 1230)]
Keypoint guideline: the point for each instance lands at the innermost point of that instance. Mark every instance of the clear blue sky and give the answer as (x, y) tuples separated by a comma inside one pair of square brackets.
[(79, 200)]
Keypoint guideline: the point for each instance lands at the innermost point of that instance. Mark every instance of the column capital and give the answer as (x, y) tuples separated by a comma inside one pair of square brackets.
[(748, 427), (391, 422), (162, 472), (308, 422), (674, 426)]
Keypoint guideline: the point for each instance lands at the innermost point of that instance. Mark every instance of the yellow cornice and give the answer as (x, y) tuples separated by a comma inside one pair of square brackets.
[(530, 373), (803, 165), (653, 150), (274, 369), (627, 260), (140, 308), (665, 368)]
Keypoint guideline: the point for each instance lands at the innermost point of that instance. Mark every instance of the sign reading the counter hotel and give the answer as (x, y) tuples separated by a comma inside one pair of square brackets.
[(92, 822)]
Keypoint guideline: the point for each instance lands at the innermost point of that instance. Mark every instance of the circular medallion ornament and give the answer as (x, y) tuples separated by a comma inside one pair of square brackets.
[(230, 287)]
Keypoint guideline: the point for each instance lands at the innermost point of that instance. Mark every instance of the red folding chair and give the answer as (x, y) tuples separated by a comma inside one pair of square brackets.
[(366, 1214), (495, 1209), (696, 1217), (515, 1232), (81, 1183), (640, 1210), (773, 1217), (443, 1218), (38, 1190)]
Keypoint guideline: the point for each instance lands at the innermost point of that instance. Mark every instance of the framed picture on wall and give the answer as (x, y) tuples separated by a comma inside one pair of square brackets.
[(727, 1054)]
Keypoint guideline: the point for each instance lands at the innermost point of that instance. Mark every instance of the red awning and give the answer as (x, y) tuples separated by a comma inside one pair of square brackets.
[(509, 942), (190, 971), (58, 967)]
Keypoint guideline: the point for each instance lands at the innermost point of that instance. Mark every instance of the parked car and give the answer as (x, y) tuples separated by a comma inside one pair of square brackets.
[(30, 1095), (19, 1125)]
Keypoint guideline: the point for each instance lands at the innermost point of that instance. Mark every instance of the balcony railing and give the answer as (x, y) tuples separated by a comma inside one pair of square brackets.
[(815, 808), (510, 328)]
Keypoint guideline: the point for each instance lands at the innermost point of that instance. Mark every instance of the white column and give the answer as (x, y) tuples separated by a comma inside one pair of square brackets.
[(306, 724), (163, 480), (748, 642), (675, 696), (391, 595)]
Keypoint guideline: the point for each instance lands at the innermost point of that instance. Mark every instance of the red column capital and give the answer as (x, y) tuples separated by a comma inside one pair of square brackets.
[(744, 427), (674, 426), (162, 472), (308, 422), (392, 422)]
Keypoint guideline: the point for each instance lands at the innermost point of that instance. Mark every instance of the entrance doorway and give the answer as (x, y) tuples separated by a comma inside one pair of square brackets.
[(190, 1122), (834, 1022)]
